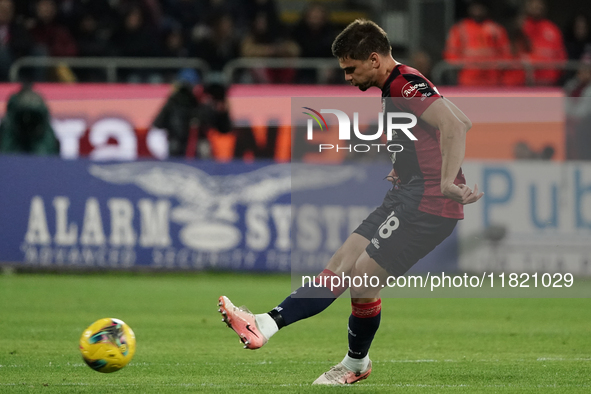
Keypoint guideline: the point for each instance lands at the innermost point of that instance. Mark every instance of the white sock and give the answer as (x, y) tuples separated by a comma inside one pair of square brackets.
[(266, 325), (356, 364)]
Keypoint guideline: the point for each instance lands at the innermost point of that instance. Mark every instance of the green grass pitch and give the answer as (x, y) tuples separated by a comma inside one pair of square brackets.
[(423, 345)]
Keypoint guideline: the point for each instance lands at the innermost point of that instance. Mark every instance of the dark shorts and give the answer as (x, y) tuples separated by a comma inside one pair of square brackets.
[(400, 236)]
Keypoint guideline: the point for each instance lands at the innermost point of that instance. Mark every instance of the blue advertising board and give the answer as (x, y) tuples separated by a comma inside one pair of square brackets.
[(185, 214)]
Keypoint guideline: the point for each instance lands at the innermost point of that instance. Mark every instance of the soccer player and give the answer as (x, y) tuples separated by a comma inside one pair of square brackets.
[(417, 214)]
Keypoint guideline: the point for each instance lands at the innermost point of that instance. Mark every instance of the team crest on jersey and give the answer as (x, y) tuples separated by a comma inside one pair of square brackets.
[(410, 89)]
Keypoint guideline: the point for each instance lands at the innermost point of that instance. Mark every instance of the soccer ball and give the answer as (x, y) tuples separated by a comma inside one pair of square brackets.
[(107, 345)]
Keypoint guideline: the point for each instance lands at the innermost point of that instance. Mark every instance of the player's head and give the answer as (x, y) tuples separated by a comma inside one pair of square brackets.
[(360, 48)]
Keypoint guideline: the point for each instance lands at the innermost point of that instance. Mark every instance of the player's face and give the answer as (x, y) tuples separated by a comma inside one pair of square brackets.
[(360, 73)]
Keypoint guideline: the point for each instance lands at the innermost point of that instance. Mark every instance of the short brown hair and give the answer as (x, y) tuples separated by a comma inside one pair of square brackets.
[(360, 39)]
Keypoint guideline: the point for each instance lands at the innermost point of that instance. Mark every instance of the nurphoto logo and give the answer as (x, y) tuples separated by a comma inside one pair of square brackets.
[(345, 130)]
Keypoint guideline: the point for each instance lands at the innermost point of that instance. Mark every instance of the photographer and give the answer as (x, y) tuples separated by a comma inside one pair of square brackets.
[(26, 127), (188, 115)]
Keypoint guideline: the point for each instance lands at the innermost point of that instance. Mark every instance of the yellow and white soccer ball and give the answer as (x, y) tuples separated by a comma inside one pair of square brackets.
[(107, 345)]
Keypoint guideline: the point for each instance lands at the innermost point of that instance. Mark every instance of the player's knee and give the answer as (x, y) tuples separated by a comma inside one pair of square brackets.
[(367, 278)]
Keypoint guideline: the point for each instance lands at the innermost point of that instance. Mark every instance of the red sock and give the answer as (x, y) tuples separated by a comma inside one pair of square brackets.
[(366, 310), (363, 324)]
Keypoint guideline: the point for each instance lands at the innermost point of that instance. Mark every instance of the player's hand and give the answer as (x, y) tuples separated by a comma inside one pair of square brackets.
[(462, 193)]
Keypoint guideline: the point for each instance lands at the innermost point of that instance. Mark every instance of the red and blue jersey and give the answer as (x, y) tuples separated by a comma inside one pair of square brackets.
[(418, 165)]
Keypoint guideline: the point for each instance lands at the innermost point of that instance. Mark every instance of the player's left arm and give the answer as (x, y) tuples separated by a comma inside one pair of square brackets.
[(452, 124)]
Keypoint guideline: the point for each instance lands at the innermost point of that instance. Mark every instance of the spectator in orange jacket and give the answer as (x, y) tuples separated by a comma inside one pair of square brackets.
[(477, 38), (546, 41)]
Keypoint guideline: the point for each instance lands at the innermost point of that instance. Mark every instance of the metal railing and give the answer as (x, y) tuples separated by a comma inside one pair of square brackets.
[(443, 69), (441, 72), (321, 65), (111, 65)]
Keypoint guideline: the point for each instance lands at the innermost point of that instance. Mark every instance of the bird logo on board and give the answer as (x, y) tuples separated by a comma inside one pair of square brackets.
[(207, 210)]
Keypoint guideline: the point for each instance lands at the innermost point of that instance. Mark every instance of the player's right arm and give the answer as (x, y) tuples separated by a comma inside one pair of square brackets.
[(452, 124)]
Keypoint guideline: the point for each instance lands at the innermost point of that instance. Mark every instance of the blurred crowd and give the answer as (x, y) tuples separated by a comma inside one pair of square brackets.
[(216, 31), (492, 51), (506, 34)]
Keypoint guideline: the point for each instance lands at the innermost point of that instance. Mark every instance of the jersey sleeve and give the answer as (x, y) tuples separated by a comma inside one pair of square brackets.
[(413, 93)]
